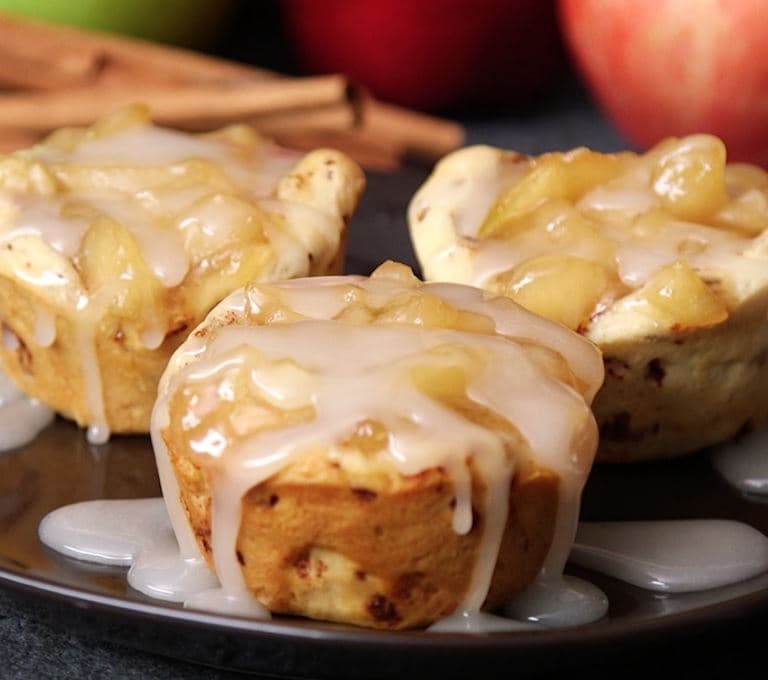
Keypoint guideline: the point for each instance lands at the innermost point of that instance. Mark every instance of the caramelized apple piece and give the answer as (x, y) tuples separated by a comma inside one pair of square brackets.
[(123, 118), (219, 221), (231, 405), (740, 177), (432, 311), (747, 213), (113, 271), (679, 292), (552, 176), (689, 177), (397, 272), (559, 287), (369, 436), (20, 175)]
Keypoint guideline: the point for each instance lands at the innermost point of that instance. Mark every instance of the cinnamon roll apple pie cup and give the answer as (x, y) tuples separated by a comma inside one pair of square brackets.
[(375, 450), (660, 258), (116, 240)]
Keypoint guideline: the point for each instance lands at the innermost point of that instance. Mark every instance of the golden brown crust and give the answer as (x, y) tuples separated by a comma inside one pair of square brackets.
[(315, 541), (54, 374)]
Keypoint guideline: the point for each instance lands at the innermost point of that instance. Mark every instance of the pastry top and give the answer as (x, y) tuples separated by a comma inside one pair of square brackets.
[(388, 371), (116, 215), (117, 239), (618, 246)]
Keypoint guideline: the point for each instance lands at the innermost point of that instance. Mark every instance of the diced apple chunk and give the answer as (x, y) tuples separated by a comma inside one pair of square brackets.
[(559, 287), (552, 176), (676, 290), (689, 177), (424, 309)]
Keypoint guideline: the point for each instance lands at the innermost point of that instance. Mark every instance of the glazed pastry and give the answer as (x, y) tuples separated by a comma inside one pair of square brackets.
[(376, 451), (661, 259), (117, 239)]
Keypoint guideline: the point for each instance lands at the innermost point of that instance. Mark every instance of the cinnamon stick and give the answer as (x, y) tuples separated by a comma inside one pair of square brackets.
[(46, 62), (333, 117), (11, 140), (163, 63), (419, 135), (171, 106), (77, 76), (369, 152)]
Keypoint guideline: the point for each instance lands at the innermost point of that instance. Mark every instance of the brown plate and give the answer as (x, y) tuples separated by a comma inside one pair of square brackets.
[(59, 467)]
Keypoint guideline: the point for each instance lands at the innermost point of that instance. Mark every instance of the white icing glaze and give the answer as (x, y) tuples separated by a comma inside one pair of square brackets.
[(673, 556), (560, 602), (137, 533), (446, 214), (744, 464), (45, 328), (41, 216), (9, 339), (349, 373), (130, 533), (479, 622), (21, 418)]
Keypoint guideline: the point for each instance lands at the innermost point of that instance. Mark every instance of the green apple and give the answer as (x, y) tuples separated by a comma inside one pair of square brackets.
[(192, 23)]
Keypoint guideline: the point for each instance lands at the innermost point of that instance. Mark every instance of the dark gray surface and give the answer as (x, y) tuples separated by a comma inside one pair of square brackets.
[(30, 647), (33, 646)]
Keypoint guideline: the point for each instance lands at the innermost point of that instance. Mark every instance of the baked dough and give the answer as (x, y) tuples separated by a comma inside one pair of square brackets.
[(376, 451), (661, 259), (116, 240)]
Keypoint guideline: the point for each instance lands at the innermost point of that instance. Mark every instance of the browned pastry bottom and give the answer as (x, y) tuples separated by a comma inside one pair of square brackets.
[(376, 549)]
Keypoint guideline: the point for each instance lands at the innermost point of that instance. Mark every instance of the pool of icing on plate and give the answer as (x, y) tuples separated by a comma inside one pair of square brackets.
[(21, 418), (744, 465), (663, 556)]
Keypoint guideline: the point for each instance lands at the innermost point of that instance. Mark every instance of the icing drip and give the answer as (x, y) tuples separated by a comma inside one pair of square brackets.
[(479, 622), (21, 418), (45, 328), (132, 533)]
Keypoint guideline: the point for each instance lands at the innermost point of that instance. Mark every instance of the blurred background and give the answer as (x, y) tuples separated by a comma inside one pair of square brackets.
[(668, 67)]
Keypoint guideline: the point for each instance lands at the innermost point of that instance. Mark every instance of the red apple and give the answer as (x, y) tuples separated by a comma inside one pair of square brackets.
[(431, 54), (673, 67)]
